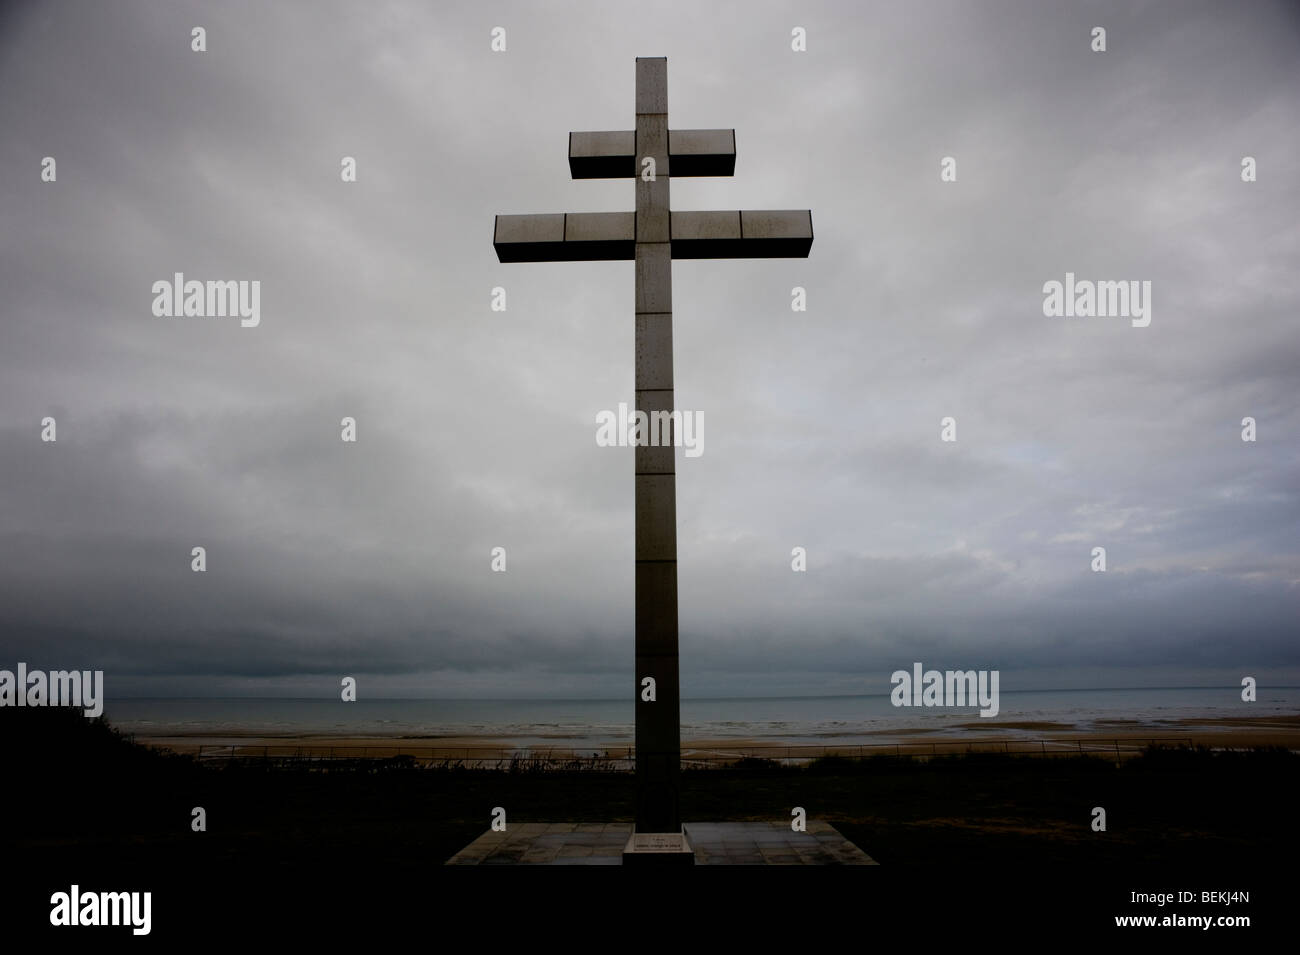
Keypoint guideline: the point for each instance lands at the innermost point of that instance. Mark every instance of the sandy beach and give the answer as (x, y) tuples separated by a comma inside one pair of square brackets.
[(1117, 736)]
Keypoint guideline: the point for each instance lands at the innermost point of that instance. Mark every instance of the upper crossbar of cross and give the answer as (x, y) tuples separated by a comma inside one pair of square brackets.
[(622, 154)]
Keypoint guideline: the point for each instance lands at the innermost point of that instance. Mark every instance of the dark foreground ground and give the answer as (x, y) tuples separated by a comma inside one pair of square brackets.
[(81, 802)]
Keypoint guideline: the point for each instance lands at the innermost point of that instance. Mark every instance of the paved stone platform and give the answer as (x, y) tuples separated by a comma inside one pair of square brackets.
[(715, 843)]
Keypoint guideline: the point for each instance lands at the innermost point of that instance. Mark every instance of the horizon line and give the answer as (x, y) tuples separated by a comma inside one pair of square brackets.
[(702, 699)]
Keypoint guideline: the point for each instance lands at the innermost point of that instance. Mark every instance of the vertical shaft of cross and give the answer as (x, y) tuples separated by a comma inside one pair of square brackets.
[(658, 722), (653, 237)]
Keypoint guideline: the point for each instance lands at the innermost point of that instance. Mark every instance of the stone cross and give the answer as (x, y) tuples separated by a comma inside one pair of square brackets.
[(653, 236)]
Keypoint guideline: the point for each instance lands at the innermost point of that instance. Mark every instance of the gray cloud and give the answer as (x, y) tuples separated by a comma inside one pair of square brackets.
[(476, 428)]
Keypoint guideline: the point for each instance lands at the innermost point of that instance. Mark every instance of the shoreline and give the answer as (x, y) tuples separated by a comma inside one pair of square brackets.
[(1036, 737)]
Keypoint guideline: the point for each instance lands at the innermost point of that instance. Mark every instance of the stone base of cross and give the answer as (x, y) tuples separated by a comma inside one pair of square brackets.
[(653, 236)]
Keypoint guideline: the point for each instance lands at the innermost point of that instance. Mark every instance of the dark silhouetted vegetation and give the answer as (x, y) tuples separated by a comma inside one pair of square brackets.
[(80, 784)]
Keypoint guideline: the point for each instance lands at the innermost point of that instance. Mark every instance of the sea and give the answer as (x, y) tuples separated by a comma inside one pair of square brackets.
[(788, 720)]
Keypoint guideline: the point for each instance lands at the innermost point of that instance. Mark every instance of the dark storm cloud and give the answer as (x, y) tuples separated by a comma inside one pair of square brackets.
[(476, 429)]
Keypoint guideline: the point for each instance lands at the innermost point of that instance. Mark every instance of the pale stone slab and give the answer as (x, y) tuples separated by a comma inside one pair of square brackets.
[(652, 460), (590, 144), (577, 236), (658, 842), (725, 843), (652, 141), (663, 428), (776, 224), (654, 277), (602, 144), (602, 155), (546, 227), (657, 848), (656, 517), (613, 154), (656, 598), (652, 222), (702, 142), (706, 225), (654, 351), (651, 84), (599, 227), (711, 235), (702, 152)]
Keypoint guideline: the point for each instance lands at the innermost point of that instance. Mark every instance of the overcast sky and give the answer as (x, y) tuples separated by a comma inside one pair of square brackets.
[(476, 429)]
